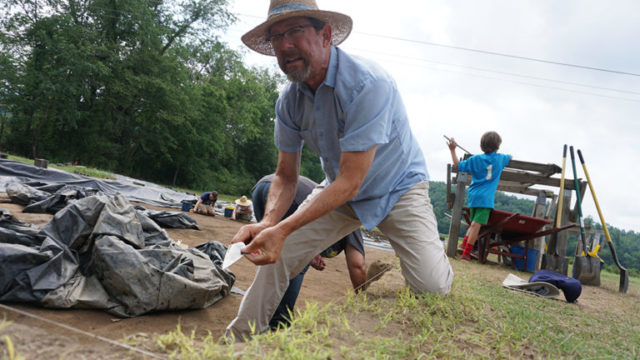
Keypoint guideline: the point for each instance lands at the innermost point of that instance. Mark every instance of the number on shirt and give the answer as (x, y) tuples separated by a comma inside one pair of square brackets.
[(489, 169)]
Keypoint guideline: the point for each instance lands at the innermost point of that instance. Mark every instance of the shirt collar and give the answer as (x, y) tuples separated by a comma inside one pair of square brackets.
[(332, 70), (329, 78)]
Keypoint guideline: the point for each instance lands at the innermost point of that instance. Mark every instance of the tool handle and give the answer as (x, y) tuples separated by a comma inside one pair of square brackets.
[(561, 194), (573, 158), (603, 223), (580, 156), (461, 148)]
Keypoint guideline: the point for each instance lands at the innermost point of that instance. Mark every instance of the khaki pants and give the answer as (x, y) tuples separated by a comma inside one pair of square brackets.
[(413, 233), (204, 208)]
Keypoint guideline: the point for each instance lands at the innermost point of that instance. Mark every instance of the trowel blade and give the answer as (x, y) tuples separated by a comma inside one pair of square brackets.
[(233, 255)]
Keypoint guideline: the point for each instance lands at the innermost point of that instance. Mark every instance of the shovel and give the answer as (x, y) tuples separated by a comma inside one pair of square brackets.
[(586, 268), (552, 260), (624, 274)]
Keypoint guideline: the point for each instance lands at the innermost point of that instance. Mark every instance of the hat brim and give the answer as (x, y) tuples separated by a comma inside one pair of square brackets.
[(243, 203), (256, 39), (539, 288)]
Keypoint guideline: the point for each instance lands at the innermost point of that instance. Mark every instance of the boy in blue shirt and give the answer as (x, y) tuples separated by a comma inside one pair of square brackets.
[(485, 172)]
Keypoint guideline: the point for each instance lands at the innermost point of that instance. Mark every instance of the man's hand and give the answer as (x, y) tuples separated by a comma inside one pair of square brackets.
[(248, 232), (318, 263), (265, 246)]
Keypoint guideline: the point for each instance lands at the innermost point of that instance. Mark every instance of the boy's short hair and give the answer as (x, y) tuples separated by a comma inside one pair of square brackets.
[(490, 142)]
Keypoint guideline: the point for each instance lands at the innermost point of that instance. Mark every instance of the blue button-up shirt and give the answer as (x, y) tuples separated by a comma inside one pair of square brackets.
[(356, 107)]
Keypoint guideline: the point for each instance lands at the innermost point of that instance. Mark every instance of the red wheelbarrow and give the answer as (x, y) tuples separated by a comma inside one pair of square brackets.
[(505, 230)]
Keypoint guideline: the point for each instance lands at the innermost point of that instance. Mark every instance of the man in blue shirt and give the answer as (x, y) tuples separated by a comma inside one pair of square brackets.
[(349, 111), (206, 203)]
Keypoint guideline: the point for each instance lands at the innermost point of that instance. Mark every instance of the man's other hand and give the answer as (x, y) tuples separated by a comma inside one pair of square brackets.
[(318, 263)]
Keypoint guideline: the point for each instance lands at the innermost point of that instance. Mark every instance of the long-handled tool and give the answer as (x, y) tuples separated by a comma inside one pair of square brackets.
[(586, 268), (461, 148), (552, 260), (624, 274)]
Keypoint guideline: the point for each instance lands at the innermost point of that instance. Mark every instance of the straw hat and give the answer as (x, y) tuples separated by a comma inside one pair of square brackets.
[(279, 10), (243, 201), (539, 288)]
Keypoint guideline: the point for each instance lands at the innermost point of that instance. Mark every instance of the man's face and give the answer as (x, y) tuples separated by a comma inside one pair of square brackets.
[(303, 53), (211, 197)]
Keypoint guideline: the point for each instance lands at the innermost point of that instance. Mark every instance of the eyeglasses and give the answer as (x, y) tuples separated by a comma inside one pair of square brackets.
[(291, 35)]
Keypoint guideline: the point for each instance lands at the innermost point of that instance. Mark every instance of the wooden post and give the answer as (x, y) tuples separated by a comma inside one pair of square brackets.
[(456, 216), (539, 212)]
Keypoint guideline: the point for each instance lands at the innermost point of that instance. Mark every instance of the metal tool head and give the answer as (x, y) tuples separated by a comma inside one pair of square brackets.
[(233, 255)]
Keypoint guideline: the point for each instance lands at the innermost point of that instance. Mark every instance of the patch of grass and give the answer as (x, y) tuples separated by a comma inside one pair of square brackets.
[(91, 172), (478, 319), (7, 350)]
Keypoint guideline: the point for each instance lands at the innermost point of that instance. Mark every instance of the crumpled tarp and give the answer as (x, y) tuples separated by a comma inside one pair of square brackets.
[(100, 253), (52, 198), (134, 190), (170, 219), (46, 199)]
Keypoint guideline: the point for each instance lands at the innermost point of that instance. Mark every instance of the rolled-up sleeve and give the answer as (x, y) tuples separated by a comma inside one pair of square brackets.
[(286, 136), (369, 117)]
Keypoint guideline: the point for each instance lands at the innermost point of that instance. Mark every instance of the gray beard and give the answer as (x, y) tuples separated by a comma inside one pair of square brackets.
[(299, 76)]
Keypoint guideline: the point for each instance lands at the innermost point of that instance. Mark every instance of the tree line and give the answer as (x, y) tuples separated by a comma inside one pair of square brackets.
[(142, 88)]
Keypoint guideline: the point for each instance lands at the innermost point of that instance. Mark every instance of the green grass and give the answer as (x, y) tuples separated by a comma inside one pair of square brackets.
[(69, 168), (478, 319), (7, 350)]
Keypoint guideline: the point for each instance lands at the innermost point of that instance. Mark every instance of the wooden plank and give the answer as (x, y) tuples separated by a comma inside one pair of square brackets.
[(456, 215), (523, 190), (539, 212), (527, 179), (546, 169), (450, 195)]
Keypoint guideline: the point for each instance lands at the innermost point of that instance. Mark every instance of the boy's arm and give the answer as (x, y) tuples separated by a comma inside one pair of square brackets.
[(452, 148)]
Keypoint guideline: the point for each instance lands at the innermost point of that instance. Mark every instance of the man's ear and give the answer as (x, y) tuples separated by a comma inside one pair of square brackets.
[(326, 35)]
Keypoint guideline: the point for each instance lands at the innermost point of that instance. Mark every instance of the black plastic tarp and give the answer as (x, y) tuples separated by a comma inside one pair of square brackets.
[(36, 200), (170, 219), (100, 252), (134, 190)]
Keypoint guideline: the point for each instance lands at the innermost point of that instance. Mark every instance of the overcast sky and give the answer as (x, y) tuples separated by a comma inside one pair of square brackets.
[(535, 106)]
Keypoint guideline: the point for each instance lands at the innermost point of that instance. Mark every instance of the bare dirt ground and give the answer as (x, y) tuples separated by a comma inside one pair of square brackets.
[(34, 338)]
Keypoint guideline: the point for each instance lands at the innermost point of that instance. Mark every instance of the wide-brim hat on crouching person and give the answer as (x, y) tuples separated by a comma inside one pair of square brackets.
[(279, 10), (243, 201)]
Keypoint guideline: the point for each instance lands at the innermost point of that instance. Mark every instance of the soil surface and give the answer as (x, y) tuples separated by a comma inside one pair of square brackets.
[(39, 333)]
